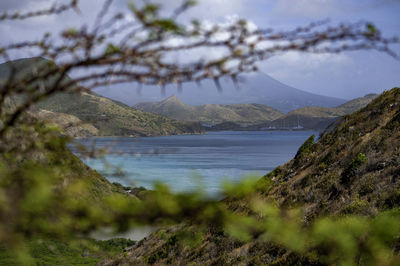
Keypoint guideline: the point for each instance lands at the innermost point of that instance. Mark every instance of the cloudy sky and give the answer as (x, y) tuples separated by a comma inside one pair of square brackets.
[(346, 75)]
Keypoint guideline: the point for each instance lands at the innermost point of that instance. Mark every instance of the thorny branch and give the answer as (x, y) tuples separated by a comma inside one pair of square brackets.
[(140, 49)]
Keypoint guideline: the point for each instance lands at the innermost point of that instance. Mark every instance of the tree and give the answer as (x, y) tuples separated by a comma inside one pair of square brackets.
[(138, 51), (117, 51)]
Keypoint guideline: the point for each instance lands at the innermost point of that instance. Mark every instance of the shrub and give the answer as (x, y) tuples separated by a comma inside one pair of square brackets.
[(305, 148), (350, 171)]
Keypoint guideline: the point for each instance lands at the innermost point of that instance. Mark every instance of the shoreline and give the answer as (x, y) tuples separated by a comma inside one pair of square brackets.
[(132, 136)]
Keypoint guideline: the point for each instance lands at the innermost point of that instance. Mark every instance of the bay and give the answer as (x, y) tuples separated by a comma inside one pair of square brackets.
[(189, 162)]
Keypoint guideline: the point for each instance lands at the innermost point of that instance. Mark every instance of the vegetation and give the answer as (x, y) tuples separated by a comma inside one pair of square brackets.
[(211, 113), (318, 118), (350, 171), (116, 119), (254, 116), (356, 154), (303, 212), (71, 125), (305, 148), (47, 251), (85, 113), (48, 194)]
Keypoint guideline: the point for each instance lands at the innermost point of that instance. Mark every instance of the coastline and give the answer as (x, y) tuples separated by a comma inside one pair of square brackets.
[(148, 136)]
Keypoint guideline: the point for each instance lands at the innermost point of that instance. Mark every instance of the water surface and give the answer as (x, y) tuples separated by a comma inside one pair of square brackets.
[(188, 162)]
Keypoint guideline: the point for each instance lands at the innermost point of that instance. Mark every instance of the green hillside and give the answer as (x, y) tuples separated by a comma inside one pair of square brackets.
[(352, 170), (211, 113), (70, 125), (356, 104), (24, 67), (344, 109), (47, 194), (253, 116), (101, 116), (115, 119), (318, 118)]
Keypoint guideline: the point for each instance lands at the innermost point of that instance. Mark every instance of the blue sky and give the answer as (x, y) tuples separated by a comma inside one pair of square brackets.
[(345, 75)]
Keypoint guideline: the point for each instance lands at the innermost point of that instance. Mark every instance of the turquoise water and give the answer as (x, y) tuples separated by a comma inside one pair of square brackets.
[(189, 162)]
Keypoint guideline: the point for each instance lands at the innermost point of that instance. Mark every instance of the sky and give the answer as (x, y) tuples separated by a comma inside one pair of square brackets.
[(346, 75)]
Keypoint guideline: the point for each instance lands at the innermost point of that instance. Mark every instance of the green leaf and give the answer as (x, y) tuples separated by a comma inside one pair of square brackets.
[(112, 49), (371, 28), (166, 25)]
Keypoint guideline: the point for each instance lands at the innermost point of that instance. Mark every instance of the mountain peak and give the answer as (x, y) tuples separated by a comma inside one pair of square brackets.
[(172, 99)]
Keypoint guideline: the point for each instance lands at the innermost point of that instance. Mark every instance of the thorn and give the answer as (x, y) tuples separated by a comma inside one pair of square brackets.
[(179, 87), (218, 84), (235, 81), (163, 90), (198, 83), (139, 89)]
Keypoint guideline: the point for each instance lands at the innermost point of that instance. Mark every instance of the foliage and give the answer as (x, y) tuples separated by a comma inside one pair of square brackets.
[(349, 240), (319, 118), (47, 251), (305, 147), (211, 113), (350, 171), (303, 213), (112, 118), (115, 50), (80, 206), (46, 193)]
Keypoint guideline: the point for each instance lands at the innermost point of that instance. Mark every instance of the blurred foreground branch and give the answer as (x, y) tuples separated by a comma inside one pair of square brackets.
[(46, 191)]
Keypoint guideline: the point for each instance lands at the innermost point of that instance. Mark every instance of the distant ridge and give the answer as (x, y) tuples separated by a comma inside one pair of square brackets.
[(257, 88), (319, 118), (253, 116), (114, 118), (173, 107), (96, 115)]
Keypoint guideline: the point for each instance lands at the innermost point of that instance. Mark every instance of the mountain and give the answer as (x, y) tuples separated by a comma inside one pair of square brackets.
[(112, 118), (356, 104), (211, 113), (352, 169), (99, 115), (254, 116), (255, 88), (24, 66), (318, 118), (357, 157), (70, 125)]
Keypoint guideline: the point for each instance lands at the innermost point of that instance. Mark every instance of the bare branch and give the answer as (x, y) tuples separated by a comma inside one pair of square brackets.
[(54, 10), (138, 52)]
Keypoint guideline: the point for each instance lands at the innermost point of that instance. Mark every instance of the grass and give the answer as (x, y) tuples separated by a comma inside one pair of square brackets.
[(47, 251), (112, 118)]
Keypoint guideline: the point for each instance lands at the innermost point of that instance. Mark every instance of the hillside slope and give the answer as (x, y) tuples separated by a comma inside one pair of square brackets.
[(256, 88), (318, 118), (50, 195), (115, 119), (211, 113), (354, 169), (306, 118), (101, 116), (70, 125), (253, 116)]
